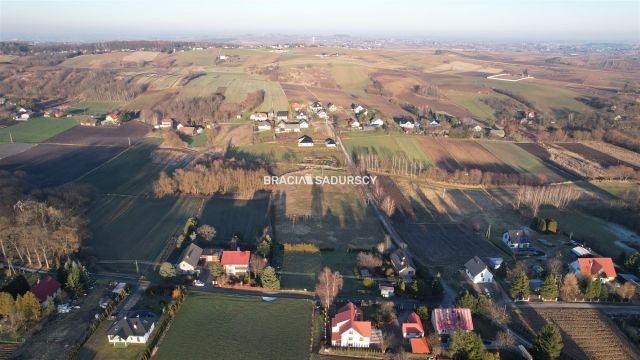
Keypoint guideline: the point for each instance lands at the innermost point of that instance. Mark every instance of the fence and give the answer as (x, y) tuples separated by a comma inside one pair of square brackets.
[(164, 325)]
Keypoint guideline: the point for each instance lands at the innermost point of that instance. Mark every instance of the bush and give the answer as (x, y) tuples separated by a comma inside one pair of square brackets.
[(552, 226), (307, 248), (368, 282)]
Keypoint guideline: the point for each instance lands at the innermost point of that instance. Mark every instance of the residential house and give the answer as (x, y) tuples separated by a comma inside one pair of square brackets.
[(517, 239), (322, 114), (235, 262), (165, 123), (304, 124), (112, 117), (133, 328), (419, 346), (58, 114), (477, 271), (271, 114), (282, 115), (259, 116), (211, 255), (386, 289), (348, 328), (315, 106), (407, 123), (354, 123), (450, 320), (263, 126), (412, 328), (187, 130), (89, 121), (403, 265), (332, 107), (477, 129), (188, 261), (287, 127), (45, 288), (377, 122), (330, 143), (357, 109), (23, 116), (305, 141), (301, 116), (595, 268)]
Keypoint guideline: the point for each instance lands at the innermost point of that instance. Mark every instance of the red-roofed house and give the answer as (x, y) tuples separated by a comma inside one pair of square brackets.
[(46, 287), (598, 268), (348, 329), (419, 346), (450, 320), (413, 327), (235, 262)]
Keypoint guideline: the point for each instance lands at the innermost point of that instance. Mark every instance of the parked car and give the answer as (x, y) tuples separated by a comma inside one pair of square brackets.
[(198, 283)]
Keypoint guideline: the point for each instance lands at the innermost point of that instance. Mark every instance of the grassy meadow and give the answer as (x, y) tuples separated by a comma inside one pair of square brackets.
[(36, 130)]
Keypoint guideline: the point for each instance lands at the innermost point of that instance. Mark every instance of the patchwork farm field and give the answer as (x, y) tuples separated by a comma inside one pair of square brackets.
[(245, 218), (52, 165), (521, 160), (387, 147), (130, 228), (103, 136), (578, 327), (594, 155), (35, 130), (238, 327), (468, 155)]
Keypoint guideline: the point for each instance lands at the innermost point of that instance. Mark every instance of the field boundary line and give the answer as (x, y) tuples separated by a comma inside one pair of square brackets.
[(101, 165)]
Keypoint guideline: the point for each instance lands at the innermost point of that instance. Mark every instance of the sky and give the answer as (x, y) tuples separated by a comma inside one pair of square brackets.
[(474, 20)]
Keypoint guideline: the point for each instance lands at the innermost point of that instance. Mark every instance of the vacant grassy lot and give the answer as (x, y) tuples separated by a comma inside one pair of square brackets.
[(230, 217), (472, 101), (387, 147), (352, 79), (93, 107), (126, 228), (35, 130), (300, 270), (238, 327), (521, 160), (105, 136)]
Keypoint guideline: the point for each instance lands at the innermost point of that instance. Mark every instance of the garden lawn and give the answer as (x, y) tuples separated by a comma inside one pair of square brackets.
[(35, 130), (216, 326)]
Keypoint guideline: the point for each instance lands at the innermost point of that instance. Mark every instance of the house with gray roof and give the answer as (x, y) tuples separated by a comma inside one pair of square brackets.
[(403, 265), (133, 328), (478, 271), (517, 239), (189, 259)]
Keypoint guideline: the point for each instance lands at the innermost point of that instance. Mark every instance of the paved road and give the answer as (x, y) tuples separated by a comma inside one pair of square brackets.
[(606, 307)]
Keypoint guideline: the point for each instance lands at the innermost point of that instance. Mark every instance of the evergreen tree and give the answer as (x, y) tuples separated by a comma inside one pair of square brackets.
[(402, 286), (217, 269), (467, 300), (548, 342), (269, 280), (520, 286), (264, 248), (7, 304), (29, 306), (423, 313), (593, 289), (549, 288), (74, 284), (466, 345), (51, 308)]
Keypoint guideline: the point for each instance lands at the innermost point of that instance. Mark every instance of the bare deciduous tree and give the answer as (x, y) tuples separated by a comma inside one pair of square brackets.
[(554, 266), (329, 285), (207, 232), (257, 263), (368, 260), (534, 197), (627, 290), (570, 289), (505, 340)]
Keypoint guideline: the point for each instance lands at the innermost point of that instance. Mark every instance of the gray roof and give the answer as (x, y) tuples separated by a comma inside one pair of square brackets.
[(135, 323), (305, 139), (191, 255), (518, 236), (475, 266), (282, 113), (400, 260)]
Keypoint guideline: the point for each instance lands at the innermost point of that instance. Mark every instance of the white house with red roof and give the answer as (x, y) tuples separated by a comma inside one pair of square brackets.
[(45, 288), (412, 327), (235, 262), (348, 329), (596, 268), (450, 320)]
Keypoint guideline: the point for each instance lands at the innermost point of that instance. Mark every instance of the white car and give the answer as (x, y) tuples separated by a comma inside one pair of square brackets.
[(198, 283)]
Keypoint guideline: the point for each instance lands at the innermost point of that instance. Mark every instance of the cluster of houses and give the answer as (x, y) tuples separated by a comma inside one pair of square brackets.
[(307, 141), (182, 127), (284, 123), (235, 262), (349, 329)]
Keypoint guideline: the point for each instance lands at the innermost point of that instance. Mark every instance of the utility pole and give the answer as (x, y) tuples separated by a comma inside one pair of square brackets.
[(129, 137), (10, 137), (137, 270)]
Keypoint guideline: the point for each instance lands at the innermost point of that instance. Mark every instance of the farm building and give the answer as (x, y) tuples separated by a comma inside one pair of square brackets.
[(166, 123), (22, 116), (478, 271), (332, 107), (235, 262), (406, 123), (357, 109), (112, 118), (377, 122), (259, 116), (450, 320), (348, 329), (517, 239), (45, 288), (287, 127), (189, 259), (579, 251), (419, 346), (330, 143), (187, 130), (133, 328), (412, 328), (315, 106), (403, 265), (211, 255), (305, 141), (353, 123), (596, 268), (264, 126)]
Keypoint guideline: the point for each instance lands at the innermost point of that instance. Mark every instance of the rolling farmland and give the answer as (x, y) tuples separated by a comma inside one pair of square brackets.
[(521, 160), (35, 130)]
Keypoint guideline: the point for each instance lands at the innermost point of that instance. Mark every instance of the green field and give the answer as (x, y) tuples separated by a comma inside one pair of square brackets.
[(618, 189), (520, 159), (233, 327), (472, 102), (197, 141), (229, 217), (300, 270), (287, 152), (94, 107), (126, 228), (35, 130), (388, 146), (352, 79)]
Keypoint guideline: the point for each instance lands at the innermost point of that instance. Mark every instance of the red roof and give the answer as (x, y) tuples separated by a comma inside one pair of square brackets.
[(595, 266), (452, 319), (235, 257), (46, 287), (352, 315), (419, 346), (413, 325)]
